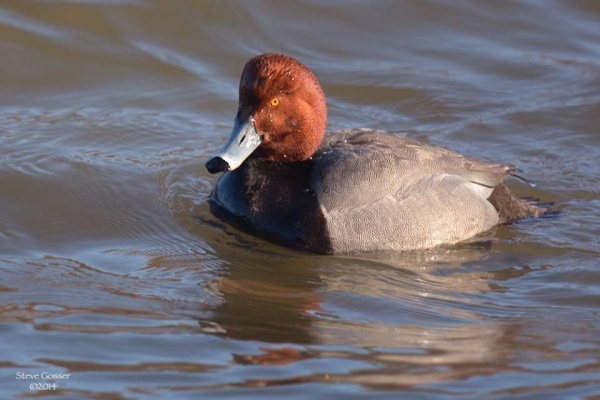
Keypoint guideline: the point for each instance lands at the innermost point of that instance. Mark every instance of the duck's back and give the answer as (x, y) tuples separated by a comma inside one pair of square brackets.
[(364, 190)]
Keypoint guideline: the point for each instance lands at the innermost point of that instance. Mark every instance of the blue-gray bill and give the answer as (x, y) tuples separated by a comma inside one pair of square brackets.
[(243, 141)]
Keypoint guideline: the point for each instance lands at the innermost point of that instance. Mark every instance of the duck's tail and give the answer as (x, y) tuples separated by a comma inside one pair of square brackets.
[(512, 208)]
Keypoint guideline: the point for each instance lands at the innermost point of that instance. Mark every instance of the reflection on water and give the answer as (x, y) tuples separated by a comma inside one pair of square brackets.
[(113, 270)]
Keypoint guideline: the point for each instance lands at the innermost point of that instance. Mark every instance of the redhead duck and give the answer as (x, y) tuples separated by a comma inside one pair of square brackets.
[(349, 191)]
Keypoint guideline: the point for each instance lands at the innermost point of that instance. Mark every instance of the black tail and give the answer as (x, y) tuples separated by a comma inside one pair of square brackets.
[(512, 208)]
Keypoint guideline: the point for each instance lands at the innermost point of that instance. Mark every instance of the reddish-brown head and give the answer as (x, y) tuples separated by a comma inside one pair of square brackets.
[(287, 104), (282, 114)]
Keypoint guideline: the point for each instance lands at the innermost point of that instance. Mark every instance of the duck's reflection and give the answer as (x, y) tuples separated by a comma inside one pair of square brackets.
[(406, 312), (394, 320), (282, 296)]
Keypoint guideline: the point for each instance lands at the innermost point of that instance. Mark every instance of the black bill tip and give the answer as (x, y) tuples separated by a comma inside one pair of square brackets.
[(217, 164)]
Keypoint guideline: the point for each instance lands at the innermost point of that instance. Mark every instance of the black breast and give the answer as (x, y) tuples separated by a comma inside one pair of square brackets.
[(273, 201)]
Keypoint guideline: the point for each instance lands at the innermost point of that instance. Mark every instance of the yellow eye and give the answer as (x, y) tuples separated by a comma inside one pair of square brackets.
[(275, 102)]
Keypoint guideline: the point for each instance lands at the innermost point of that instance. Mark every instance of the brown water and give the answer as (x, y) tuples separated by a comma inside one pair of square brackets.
[(114, 271)]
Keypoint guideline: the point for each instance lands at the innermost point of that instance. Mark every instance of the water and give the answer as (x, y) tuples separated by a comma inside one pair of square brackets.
[(115, 274)]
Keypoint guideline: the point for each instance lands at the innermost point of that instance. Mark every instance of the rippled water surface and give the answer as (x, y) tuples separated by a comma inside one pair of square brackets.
[(115, 274)]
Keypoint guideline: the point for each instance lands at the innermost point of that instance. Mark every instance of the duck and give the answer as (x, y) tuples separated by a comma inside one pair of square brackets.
[(351, 191)]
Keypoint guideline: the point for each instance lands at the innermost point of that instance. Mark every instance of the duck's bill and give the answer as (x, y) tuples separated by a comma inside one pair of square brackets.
[(243, 141)]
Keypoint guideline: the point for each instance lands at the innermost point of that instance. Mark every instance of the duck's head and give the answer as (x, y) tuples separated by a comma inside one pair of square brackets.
[(281, 117)]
